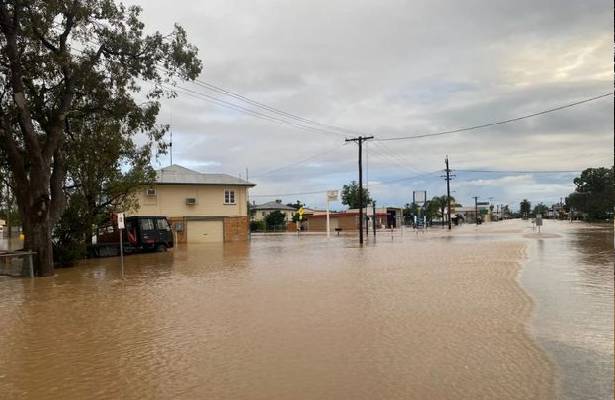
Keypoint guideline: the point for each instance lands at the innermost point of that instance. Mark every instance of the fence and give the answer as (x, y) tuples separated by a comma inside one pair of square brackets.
[(17, 263)]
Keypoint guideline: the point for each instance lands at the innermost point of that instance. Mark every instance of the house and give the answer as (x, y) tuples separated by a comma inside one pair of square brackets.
[(344, 221), (201, 207), (468, 214), (260, 211)]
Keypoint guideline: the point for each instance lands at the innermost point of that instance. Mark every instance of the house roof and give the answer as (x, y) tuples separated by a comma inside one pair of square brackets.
[(178, 175), (273, 205)]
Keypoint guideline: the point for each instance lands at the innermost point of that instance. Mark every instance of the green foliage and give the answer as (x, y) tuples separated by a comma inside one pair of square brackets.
[(257, 226), (275, 219), (350, 195), (540, 209), (296, 205), (594, 195), (410, 210), (73, 97), (525, 207)]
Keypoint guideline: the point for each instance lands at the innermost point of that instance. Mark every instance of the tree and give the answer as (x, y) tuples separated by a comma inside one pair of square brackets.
[(525, 207), (432, 208), (350, 196), (59, 61), (275, 219), (409, 211), (540, 209), (296, 205), (442, 205), (594, 194), (505, 211)]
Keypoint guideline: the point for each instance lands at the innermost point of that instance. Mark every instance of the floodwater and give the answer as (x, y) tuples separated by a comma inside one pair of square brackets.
[(429, 316), (570, 276)]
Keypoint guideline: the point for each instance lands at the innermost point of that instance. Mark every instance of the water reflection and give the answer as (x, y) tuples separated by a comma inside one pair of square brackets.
[(571, 279)]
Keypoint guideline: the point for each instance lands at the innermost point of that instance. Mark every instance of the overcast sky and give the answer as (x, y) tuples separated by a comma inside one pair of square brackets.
[(396, 68)]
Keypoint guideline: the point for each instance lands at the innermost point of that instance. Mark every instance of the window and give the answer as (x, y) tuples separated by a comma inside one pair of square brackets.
[(229, 196), (147, 224), (162, 225)]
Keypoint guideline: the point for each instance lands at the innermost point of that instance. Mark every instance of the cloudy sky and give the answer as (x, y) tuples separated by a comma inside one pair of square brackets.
[(395, 68)]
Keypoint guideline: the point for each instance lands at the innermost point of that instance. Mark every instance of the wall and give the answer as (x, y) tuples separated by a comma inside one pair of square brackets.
[(236, 229), (170, 200)]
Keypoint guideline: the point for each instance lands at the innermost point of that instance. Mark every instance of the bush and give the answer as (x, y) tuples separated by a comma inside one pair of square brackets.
[(257, 226)]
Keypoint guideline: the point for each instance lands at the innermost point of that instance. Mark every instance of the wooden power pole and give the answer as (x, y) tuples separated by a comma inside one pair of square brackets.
[(476, 208), (448, 177), (360, 141)]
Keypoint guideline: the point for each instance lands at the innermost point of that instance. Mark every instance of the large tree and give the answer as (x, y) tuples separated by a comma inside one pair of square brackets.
[(541, 209), (54, 56), (525, 207), (594, 194), (350, 196)]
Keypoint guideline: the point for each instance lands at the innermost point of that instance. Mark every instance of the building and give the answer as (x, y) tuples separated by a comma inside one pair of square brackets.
[(201, 207), (468, 214), (342, 221), (260, 211)]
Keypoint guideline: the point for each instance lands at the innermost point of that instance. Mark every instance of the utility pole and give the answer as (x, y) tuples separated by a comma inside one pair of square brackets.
[(171, 147), (360, 141), (374, 217), (367, 220), (448, 179), (476, 209)]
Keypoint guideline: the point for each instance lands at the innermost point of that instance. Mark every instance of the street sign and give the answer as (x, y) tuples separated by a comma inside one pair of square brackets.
[(120, 220), (301, 211), (332, 195), (538, 219), (419, 197), (120, 226)]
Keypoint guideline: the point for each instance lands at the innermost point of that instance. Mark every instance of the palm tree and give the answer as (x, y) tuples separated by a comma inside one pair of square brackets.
[(443, 205)]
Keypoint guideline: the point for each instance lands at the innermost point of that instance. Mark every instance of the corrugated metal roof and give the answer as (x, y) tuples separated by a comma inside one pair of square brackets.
[(178, 175), (273, 205)]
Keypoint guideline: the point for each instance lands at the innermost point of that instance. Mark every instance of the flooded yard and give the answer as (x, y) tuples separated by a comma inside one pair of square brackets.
[(430, 316)]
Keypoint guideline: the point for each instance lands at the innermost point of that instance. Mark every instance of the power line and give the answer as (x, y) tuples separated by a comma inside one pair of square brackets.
[(218, 89), (325, 190), (471, 128), (288, 194), (519, 171), (257, 114), (312, 157)]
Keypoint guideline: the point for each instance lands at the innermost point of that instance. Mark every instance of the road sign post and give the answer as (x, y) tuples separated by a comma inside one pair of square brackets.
[(331, 196), (120, 226), (538, 221), (301, 211)]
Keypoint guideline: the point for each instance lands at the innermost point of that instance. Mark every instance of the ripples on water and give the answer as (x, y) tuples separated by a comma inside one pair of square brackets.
[(281, 317)]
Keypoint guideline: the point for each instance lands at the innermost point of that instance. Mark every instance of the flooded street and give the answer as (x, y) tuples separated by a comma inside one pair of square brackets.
[(493, 312), (571, 279)]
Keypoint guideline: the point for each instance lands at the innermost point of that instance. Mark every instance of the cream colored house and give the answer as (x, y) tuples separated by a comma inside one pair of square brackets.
[(201, 207), (260, 211)]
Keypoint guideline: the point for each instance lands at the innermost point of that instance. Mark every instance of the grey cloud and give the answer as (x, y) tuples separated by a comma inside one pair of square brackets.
[(395, 68)]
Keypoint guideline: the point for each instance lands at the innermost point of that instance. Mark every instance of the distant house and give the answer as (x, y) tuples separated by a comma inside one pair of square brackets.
[(349, 220), (201, 207), (468, 214), (260, 211)]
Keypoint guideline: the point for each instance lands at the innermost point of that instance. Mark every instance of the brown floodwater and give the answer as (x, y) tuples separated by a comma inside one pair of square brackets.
[(430, 316)]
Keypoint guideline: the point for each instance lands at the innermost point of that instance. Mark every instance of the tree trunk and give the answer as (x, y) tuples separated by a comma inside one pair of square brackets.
[(35, 216), (38, 240)]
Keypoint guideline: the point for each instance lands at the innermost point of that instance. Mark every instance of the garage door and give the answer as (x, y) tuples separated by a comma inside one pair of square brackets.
[(205, 231)]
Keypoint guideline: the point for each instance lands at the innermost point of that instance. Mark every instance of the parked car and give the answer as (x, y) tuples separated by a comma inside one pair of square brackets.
[(148, 233)]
